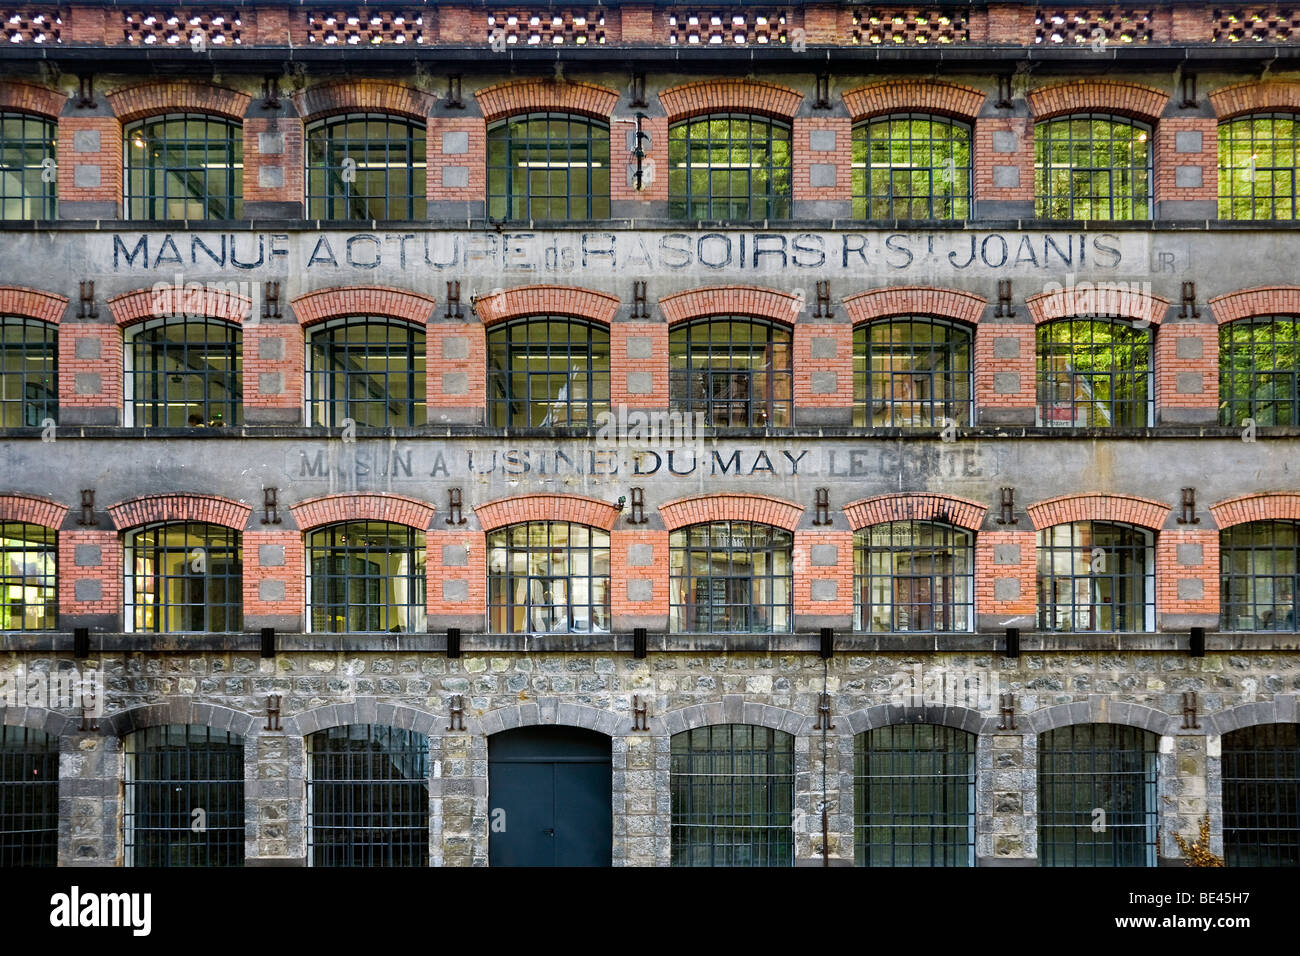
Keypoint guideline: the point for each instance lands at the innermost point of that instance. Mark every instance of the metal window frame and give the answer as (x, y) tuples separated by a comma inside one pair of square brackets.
[(25, 351), (941, 382), (1105, 184), (1137, 546), (1261, 795), (1119, 380), (204, 541), (954, 542), (29, 797), (1229, 137), (329, 542), (731, 803), (326, 349), (499, 544), (582, 193), (1263, 329), (404, 195), (689, 341), (147, 386), (1237, 541), (683, 578), (1083, 768), (378, 821), (896, 129), (42, 550), (204, 771), (38, 134), (221, 200), (690, 137), (508, 410)]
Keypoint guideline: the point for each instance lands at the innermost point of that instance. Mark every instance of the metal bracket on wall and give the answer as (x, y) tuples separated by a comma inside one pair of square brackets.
[(271, 505), (1190, 721), (637, 515), (454, 99), (824, 721), (270, 92), (637, 97), (86, 91), (1005, 309), (455, 502), (273, 712), (822, 507), (822, 94), (1003, 102), (640, 713), (824, 308), (1187, 511), (1007, 711), (1007, 507), (640, 307), (86, 289), (1189, 309), (456, 712), (87, 516), (271, 300)]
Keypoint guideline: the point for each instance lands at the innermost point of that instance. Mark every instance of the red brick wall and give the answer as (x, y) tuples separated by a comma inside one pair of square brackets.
[(29, 98), (578, 509), (1167, 160), (455, 349), (535, 96), (290, 160), (108, 366), (921, 506), (914, 96), (473, 571), (387, 301), (1129, 509), (1025, 572), (805, 572), (986, 159), (32, 510), (1009, 23), (373, 506), (33, 303), (1169, 572), (475, 158), (701, 509), (108, 159), (620, 363), (1094, 96), (731, 300), (620, 540), (1265, 506), (995, 343), (181, 96), (656, 186), (1187, 359), (828, 335), (149, 509), (260, 337), (108, 573), (292, 574), (841, 158), (730, 95)]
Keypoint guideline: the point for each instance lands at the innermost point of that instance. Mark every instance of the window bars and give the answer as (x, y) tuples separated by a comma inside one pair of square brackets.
[(29, 370), (1092, 166), (366, 576), (1259, 566), (29, 797), (1261, 796), (547, 372), (1094, 373), (366, 166), (728, 166), (1259, 375), (1095, 576), (1258, 159), (367, 369), (28, 577), (27, 150), (184, 576), (737, 371)]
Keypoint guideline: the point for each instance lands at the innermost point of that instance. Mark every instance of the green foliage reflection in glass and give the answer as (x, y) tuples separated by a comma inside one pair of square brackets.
[(1092, 167), (1257, 167), (1257, 371), (1093, 374), (548, 166), (911, 167), (729, 166)]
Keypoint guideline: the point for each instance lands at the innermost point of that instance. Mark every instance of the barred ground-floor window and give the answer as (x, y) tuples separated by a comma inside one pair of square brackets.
[(29, 797), (1261, 796)]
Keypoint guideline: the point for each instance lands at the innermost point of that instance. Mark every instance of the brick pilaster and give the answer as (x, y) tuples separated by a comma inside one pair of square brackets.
[(274, 579), (1006, 580), (823, 373), (638, 570), (1005, 372), (456, 372)]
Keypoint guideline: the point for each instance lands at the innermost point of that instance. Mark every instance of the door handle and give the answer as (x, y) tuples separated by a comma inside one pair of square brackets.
[(548, 831)]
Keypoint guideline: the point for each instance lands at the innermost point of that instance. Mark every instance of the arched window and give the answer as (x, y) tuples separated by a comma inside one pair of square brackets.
[(548, 166), (1095, 576), (914, 796), (911, 372), (1094, 373), (913, 576), (367, 797), (184, 576), (366, 166), (368, 369), (548, 577), (1259, 565), (29, 369), (546, 372), (729, 166), (1259, 156), (184, 797), (29, 797), (730, 577), (732, 796), (184, 166), (184, 372), (1092, 166), (736, 371), (1259, 370), (366, 576), (911, 166), (1086, 767), (28, 147), (1261, 796), (28, 577)]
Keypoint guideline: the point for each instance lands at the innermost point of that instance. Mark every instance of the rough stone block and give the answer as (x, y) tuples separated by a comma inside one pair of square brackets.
[(640, 589), (1187, 177), (825, 590), (822, 347), (821, 175), (1006, 177), (824, 383), (1187, 141), (270, 591), (88, 556), (454, 591)]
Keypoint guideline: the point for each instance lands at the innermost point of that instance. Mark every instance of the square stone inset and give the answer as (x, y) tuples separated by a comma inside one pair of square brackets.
[(86, 177), (270, 349), (270, 383), (454, 556), (821, 175), (1191, 589), (1006, 177), (1187, 177), (88, 556), (86, 383), (1190, 555), (1189, 383), (824, 383), (1006, 589), (270, 144), (825, 555), (455, 177), (640, 383), (88, 589), (87, 348), (455, 348), (640, 347), (1187, 141), (1006, 383), (85, 141), (1006, 554), (1189, 348), (455, 591), (270, 177), (822, 347), (455, 383), (640, 589), (1005, 141), (270, 555), (825, 590), (640, 555), (455, 142), (270, 591), (1006, 346), (821, 140)]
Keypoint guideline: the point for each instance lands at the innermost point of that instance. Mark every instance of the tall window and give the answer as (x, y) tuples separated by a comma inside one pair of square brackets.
[(737, 371), (732, 789), (29, 370), (184, 166), (366, 166), (1259, 371), (1259, 564), (1258, 158), (911, 373), (367, 797), (911, 166), (730, 576), (366, 576), (1094, 374), (914, 796), (913, 576), (1261, 796), (1095, 576), (1090, 166), (547, 371), (1086, 767), (29, 797), (28, 147), (184, 576), (729, 166), (548, 577), (186, 372), (548, 166), (28, 577), (184, 797), (370, 370)]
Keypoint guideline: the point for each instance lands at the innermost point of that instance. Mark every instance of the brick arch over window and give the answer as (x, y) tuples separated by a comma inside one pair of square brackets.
[(578, 509), (1101, 710), (730, 96), (30, 509), (178, 710), (914, 96), (546, 300), (363, 710), (176, 96), (546, 96), (313, 307), (363, 96), (150, 509), (734, 710), (1128, 509), (166, 299), (1264, 300), (331, 509), (1097, 96), (1096, 299), (29, 98), (701, 509), (1280, 710), (545, 712), (39, 718), (1265, 506), (731, 300), (960, 512), (1241, 98), (914, 300), (892, 715), (32, 303)]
